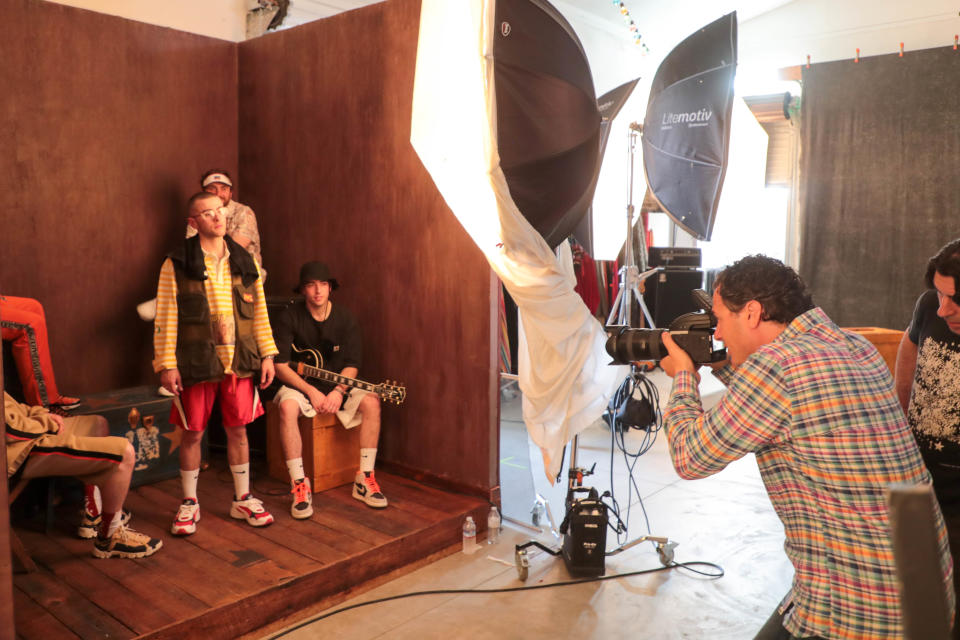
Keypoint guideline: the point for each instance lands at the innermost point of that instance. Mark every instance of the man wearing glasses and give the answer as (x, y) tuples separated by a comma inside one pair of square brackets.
[(212, 340), (241, 227)]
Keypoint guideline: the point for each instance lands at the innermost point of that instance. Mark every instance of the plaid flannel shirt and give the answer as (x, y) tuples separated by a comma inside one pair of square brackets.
[(817, 407)]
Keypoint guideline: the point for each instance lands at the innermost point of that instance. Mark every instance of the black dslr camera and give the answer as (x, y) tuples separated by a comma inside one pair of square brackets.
[(693, 332)]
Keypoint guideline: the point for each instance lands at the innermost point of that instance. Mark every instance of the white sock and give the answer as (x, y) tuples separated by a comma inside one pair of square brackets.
[(367, 458), (241, 479), (115, 523), (295, 466), (97, 502), (188, 480)]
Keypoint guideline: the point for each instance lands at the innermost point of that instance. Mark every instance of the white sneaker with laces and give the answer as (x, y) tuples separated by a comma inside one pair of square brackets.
[(187, 518), (126, 543), (367, 490), (302, 506), (252, 510)]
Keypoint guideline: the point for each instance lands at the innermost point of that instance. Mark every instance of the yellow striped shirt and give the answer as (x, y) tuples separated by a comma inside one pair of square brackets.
[(219, 290)]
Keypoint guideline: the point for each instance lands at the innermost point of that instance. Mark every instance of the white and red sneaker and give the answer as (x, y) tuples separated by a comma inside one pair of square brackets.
[(250, 509), (187, 518)]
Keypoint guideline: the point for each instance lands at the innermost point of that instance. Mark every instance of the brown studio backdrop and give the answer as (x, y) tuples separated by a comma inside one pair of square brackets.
[(326, 160), (108, 123), (105, 125)]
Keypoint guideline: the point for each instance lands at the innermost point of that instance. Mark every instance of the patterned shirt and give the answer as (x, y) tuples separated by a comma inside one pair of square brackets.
[(817, 407), (934, 413), (219, 290), (242, 221)]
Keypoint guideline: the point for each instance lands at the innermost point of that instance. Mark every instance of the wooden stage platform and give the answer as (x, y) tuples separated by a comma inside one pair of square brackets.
[(230, 579)]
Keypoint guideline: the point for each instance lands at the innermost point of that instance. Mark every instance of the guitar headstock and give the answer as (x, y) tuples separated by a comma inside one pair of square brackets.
[(393, 392)]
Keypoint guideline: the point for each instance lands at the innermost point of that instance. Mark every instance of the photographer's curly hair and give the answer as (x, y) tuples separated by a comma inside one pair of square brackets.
[(946, 263), (773, 284)]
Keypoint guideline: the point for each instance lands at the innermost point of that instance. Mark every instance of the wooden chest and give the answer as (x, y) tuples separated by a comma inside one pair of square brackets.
[(142, 416), (331, 453), (887, 341)]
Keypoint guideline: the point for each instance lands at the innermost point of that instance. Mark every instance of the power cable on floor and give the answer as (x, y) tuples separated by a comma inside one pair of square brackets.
[(673, 565)]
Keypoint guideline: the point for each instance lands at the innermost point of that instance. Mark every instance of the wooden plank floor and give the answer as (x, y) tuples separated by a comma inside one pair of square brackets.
[(229, 579)]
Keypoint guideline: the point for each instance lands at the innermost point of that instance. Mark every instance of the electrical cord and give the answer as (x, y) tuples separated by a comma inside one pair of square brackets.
[(650, 400), (719, 573)]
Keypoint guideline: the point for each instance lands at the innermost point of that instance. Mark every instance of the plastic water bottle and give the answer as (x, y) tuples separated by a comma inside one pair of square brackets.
[(493, 525), (469, 535)]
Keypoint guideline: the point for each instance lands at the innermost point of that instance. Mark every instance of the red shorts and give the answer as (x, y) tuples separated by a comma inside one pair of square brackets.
[(239, 403)]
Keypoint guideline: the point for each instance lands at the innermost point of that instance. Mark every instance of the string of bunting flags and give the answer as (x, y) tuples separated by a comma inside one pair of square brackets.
[(634, 30)]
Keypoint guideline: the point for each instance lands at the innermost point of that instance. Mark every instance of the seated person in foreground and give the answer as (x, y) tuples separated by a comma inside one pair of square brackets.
[(42, 444), (331, 330), (24, 325)]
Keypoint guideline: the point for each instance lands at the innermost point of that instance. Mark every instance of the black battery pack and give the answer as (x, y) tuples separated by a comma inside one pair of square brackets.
[(584, 532)]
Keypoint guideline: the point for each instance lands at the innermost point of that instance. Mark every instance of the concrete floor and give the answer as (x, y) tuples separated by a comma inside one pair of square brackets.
[(726, 519)]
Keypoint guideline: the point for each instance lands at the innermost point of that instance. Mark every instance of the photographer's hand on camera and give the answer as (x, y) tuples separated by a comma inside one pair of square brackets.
[(678, 360)]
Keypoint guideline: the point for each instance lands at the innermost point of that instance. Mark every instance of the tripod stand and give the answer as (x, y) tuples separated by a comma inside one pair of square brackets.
[(621, 310)]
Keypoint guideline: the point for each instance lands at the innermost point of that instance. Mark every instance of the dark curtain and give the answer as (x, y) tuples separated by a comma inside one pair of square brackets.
[(879, 186)]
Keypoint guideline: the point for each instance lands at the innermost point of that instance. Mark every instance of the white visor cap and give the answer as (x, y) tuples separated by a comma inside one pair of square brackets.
[(217, 177)]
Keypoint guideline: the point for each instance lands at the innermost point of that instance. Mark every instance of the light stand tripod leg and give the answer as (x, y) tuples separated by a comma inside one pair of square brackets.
[(616, 317), (643, 306)]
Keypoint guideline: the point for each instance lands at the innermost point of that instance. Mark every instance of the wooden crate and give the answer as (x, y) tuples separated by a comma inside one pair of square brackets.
[(887, 341), (142, 416), (331, 453)]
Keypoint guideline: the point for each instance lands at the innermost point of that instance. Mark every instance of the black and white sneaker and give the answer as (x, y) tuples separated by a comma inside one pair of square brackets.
[(302, 506), (367, 490)]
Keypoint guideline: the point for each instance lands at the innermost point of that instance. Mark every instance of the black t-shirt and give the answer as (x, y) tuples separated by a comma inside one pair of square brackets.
[(337, 339), (934, 412)]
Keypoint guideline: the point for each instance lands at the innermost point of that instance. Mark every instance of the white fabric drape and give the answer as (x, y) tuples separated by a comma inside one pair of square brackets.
[(562, 364)]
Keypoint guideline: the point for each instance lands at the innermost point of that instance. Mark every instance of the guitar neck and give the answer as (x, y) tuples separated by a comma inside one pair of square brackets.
[(330, 376)]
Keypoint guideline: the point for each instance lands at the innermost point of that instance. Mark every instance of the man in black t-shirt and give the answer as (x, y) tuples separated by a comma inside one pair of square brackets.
[(927, 378), (326, 336)]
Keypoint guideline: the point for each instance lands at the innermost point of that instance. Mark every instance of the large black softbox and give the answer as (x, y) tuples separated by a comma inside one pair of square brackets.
[(686, 131), (548, 124), (609, 105)]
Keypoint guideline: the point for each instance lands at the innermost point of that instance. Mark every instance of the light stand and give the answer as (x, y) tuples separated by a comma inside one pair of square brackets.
[(584, 526), (621, 310)]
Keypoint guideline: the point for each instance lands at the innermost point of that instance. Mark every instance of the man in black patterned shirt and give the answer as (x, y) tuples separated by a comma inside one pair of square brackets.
[(316, 323), (927, 378)]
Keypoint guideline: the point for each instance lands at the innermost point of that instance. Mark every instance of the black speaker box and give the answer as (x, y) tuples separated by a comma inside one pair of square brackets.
[(674, 257), (667, 294)]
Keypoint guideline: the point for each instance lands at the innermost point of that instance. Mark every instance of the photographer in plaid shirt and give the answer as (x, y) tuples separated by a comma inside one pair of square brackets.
[(817, 406)]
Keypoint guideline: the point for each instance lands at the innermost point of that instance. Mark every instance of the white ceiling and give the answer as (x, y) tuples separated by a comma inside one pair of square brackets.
[(772, 32)]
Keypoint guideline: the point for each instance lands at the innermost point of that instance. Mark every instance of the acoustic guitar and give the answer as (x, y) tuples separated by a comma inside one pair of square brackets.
[(388, 392)]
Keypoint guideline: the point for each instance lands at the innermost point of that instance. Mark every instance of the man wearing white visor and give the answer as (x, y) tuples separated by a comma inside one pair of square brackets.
[(241, 221)]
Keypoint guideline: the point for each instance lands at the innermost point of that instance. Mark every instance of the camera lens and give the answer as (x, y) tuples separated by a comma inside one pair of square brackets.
[(631, 345)]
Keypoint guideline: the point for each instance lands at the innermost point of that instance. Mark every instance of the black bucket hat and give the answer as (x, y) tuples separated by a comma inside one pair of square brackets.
[(315, 271)]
